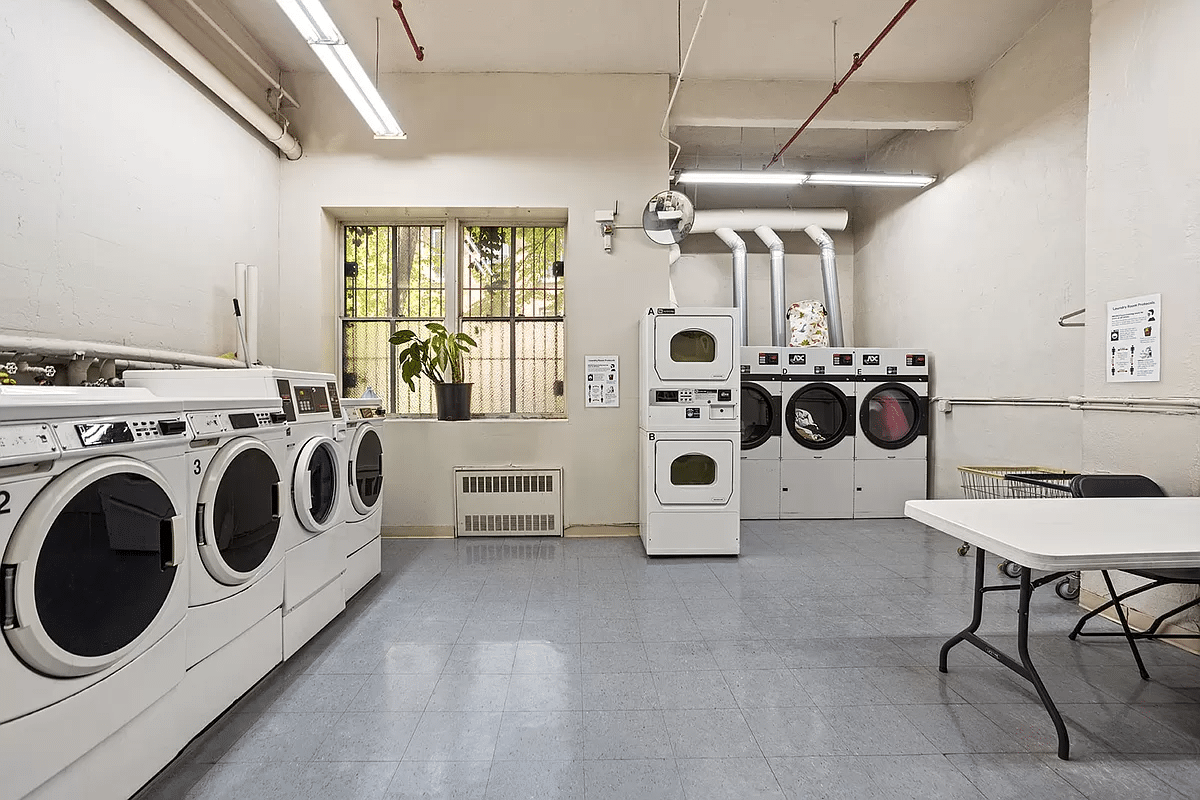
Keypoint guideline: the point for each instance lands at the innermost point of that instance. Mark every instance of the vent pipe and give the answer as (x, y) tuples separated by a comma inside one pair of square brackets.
[(777, 219), (738, 246), (833, 302), (770, 238)]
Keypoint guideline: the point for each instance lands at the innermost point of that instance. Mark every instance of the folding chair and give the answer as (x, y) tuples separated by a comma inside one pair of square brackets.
[(1133, 486)]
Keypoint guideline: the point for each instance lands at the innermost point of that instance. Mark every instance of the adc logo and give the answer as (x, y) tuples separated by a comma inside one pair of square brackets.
[(798, 358), (870, 359)]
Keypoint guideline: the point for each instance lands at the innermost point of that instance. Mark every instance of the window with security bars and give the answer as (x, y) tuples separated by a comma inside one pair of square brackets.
[(507, 292), (511, 302)]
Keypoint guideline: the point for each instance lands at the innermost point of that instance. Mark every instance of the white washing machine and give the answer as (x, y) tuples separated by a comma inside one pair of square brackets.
[(690, 432), (761, 420), (93, 581), (235, 499), (364, 486), (817, 447), (892, 447)]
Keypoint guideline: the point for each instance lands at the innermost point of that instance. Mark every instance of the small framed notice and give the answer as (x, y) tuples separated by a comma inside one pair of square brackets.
[(603, 381), (1134, 334)]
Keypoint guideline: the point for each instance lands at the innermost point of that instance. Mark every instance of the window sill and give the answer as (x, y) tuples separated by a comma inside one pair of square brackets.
[(397, 418)]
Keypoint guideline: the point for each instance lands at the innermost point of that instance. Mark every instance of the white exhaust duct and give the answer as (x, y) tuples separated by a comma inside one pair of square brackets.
[(779, 332), (831, 219), (738, 246), (833, 301)]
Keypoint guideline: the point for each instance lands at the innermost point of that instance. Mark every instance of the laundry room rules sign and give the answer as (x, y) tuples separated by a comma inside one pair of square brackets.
[(1132, 352), (603, 382)]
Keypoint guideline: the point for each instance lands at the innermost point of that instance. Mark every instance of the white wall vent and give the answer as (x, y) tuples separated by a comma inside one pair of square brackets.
[(507, 501)]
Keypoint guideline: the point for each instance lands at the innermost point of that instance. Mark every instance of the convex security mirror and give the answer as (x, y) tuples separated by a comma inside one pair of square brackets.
[(668, 217)]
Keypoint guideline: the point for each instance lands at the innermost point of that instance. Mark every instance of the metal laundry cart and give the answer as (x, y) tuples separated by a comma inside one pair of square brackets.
[(1019, 482)]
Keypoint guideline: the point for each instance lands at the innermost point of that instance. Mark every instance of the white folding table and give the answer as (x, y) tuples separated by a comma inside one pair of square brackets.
[(1061, 537)]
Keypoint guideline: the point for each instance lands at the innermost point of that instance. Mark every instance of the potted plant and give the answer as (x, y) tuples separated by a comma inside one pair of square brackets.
[(439, 358)]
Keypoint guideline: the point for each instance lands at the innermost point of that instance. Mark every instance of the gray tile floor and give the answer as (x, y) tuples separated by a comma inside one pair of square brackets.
[(806, 668)]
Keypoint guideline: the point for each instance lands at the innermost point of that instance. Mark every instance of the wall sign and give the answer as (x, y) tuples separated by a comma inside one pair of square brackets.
[(603, 382), (1134, 337)]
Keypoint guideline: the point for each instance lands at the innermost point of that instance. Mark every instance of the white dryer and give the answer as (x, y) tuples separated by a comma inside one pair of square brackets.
[(364, 486), (817, 448), (690, 432), (93, 537), (761, 421), (892, 448)]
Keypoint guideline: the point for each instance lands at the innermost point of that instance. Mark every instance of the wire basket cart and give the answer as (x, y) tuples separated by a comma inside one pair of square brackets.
[(1014, 483)]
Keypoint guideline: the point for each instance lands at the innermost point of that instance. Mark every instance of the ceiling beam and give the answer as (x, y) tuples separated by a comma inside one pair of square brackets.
[(859, 106)]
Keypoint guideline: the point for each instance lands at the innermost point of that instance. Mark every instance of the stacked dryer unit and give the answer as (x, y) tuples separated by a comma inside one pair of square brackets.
[(761, 420), (817, 445), (892, 446), (363, 459), (690, 432), (93, 579)]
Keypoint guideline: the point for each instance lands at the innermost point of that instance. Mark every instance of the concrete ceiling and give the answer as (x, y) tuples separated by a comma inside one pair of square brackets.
[(939, 40)]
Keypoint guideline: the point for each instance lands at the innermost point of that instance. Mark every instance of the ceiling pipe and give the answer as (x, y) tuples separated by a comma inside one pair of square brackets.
[(738, 246), (833, 301), (675, 92), (859, 60), (78, 349), (417, 49), (770, 238), (782, 219), (156, 29), (212, 23)]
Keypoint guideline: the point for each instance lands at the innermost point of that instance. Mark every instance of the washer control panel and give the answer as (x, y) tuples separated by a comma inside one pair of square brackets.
[(132, 430)]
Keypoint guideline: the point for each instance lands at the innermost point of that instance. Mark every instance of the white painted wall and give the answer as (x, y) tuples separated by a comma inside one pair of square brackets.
[(1143, 232), (126, 194), (578, 143), (978, 268), (703, 276)]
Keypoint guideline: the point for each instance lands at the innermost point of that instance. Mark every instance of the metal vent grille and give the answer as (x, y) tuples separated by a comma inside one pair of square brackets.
[(508, 501)]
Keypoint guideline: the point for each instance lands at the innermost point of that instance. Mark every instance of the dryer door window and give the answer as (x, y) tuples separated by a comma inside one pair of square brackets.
[(818, 416), (238, 511), (366, 465), (694, 472), (315, 487), (693, 348), (759, 416), (90, 566), (891, 416)]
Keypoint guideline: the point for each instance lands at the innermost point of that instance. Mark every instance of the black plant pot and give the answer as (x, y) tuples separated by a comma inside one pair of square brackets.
[(453, 400)]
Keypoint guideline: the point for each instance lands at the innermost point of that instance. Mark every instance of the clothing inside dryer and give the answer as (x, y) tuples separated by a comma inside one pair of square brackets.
[(891, 415), (818, 415)]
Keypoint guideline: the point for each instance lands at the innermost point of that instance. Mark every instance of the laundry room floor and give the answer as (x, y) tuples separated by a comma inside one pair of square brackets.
[(806, 668)]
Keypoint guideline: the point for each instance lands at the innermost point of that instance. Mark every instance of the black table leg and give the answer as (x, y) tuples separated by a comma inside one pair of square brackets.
[(1024, 667)]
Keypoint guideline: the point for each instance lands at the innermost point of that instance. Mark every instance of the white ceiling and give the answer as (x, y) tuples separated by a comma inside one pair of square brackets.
[(939, 40)]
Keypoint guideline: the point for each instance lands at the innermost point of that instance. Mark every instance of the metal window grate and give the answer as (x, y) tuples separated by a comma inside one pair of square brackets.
[(508, 523), (507, 484), (512, 302)]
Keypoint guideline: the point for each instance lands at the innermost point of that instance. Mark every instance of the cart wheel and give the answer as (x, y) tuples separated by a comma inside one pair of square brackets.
[(964, 548), (1010, 568), (1066, 590)]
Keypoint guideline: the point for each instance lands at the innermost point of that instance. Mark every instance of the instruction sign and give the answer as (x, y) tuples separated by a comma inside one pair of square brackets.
[(1134, 337), (603, 382)]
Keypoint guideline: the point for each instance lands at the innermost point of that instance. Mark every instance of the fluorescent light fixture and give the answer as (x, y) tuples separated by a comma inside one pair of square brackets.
[(317, 28), (750, 178), (870, 179)]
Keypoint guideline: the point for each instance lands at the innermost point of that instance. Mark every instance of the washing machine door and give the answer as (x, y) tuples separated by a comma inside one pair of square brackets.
[(694, 472), (689, 348), (316, 484), (91, 565), (760, 416), (237, 511), (365, 469), (893, 415), (819, 416)]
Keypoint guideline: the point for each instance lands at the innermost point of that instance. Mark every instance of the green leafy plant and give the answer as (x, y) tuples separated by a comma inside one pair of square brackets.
[(439, 358)]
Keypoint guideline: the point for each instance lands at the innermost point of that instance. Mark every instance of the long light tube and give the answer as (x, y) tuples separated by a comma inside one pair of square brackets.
[(870, 179), (318, 29), (774, 178), (743, 178)]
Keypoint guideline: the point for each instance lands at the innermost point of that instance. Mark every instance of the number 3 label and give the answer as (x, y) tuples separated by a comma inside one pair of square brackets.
[(196, 467)]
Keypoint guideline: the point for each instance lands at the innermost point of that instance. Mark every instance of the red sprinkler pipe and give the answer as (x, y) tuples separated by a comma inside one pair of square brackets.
[(420, 51), (859, 59)]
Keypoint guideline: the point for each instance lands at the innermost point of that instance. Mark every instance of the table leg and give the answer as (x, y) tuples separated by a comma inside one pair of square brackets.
[(1031, 673), (976, 614)]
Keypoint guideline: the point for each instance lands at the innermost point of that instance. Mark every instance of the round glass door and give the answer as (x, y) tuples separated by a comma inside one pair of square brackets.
[(239, 511), (91, 564), (758, 416), (366, 469), (316, 484), (818, 416), (891, 416)]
